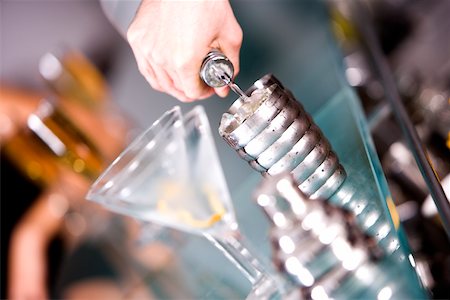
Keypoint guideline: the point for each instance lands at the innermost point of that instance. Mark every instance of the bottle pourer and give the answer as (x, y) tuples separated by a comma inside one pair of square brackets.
[(217, 71)]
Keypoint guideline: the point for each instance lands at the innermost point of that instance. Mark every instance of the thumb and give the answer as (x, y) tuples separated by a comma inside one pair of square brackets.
[(230, 42)]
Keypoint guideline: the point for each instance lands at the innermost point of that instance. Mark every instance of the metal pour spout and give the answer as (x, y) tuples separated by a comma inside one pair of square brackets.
[(217, 71)]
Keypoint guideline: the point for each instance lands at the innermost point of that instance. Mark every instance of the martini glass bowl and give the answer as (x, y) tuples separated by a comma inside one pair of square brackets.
[(171, 175)]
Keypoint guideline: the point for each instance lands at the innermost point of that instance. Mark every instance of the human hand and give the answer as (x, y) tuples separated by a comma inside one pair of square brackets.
[(170, 39)]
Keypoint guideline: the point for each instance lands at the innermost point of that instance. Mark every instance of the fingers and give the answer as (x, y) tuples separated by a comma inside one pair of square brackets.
[(146, 70), (182, 80), (184, 83), (222, 91), (207, 95), (190, 81), (160, 79), (167, 84), (178, 85)]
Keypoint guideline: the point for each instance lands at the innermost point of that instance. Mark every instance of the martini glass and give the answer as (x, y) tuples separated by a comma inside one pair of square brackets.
[(171, 175)]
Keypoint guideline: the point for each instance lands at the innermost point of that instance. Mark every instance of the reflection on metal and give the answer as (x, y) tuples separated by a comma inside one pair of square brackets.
[(367, 216), (216, 69), (318, 247), (278, 136)]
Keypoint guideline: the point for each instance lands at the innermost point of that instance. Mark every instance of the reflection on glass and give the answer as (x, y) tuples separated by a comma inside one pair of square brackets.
[(171, 175)]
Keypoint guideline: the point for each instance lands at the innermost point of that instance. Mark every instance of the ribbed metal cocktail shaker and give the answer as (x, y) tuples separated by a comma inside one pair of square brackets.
[(272, 131)]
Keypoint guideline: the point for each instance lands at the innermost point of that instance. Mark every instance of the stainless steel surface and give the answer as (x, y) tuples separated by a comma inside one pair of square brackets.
[(279, 136)]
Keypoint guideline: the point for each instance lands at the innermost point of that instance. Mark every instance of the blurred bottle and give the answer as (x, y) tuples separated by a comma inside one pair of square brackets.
[(20, 148), (83, 96), (70, 130), (65, 140), (24, 150), (73, 77)]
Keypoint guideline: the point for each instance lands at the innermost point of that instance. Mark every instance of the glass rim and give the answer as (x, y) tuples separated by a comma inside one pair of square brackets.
[(107, 175)]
